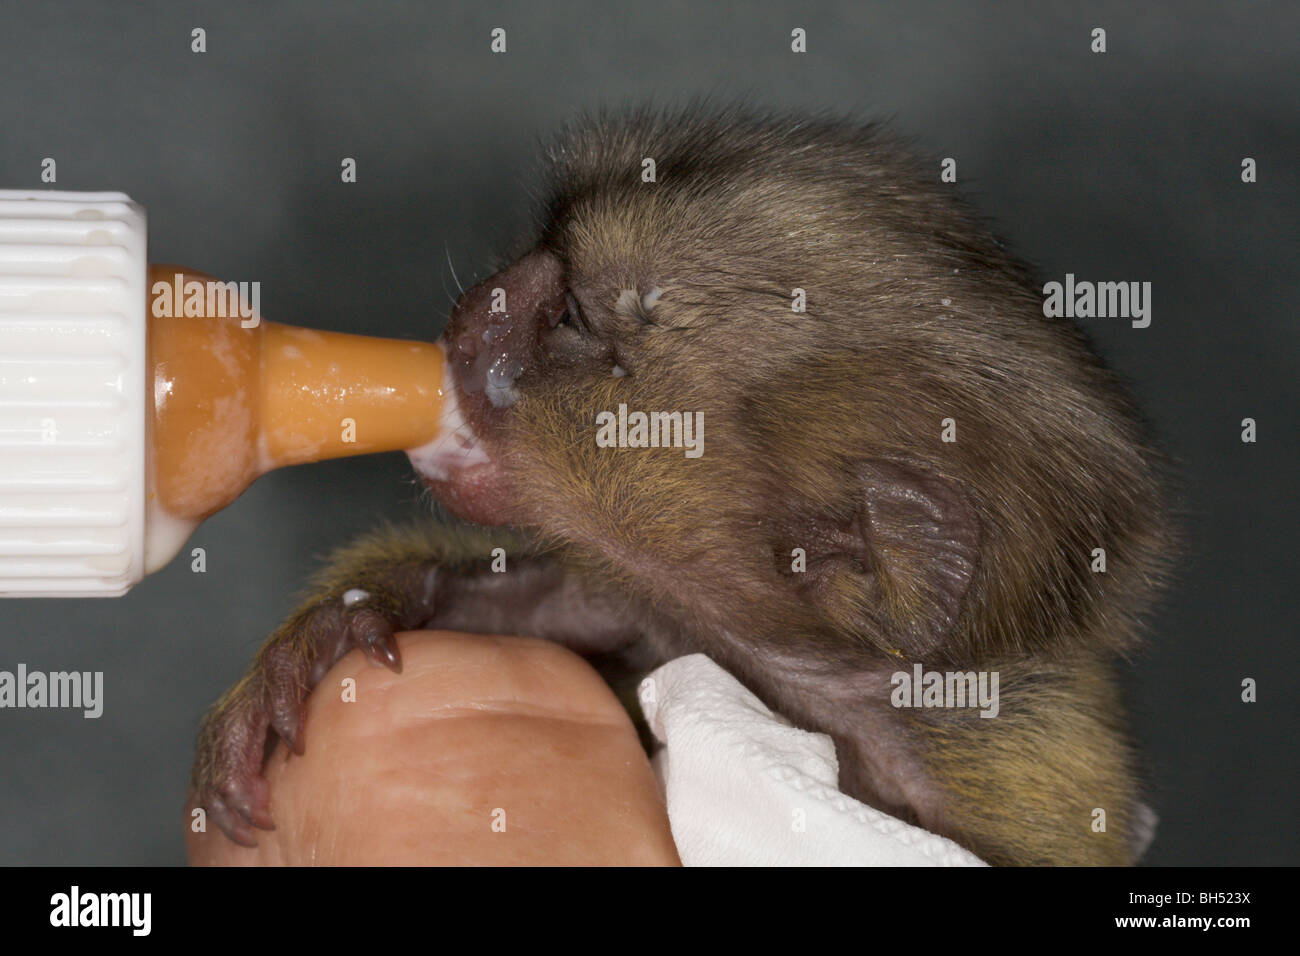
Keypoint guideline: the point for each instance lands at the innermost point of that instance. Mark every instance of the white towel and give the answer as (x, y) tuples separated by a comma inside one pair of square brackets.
[(744, 788)]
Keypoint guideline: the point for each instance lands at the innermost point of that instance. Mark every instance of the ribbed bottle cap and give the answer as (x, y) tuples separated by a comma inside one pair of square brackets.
[(72, 393)]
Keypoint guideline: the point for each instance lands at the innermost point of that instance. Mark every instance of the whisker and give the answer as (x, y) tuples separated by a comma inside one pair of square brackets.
[(447, 247), (447, 292)]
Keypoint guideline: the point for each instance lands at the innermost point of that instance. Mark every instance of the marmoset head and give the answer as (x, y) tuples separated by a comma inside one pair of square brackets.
[(877, 385)]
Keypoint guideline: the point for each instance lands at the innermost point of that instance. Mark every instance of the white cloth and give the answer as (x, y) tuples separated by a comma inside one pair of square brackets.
[(744, 788)]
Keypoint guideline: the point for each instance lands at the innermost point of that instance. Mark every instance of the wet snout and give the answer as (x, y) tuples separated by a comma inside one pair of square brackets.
[(496, 326)]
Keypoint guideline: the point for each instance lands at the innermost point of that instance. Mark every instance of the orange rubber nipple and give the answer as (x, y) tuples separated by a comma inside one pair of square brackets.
[(234, 397)]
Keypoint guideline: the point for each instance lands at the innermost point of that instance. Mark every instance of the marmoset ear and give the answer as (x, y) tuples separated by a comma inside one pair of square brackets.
[(897, 567)]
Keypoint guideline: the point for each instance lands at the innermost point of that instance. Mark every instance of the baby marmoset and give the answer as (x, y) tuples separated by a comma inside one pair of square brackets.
[(835, 319)]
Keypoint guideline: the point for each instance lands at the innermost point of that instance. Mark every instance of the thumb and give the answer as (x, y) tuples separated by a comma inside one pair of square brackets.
[(483, 751)]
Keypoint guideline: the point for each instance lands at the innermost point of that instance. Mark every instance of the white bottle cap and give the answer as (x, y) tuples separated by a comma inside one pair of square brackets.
[(73, 386)]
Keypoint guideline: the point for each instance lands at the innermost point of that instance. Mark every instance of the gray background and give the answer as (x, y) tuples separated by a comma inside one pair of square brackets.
[(1124, 166)]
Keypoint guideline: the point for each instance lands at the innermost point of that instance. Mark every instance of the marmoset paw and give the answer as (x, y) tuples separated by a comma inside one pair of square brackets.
[(270, 702)]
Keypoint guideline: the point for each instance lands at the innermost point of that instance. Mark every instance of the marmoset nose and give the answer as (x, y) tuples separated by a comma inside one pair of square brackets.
[(495, 326)]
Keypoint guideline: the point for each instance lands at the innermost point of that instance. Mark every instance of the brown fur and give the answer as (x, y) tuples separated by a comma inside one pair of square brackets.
[(915, 314)]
